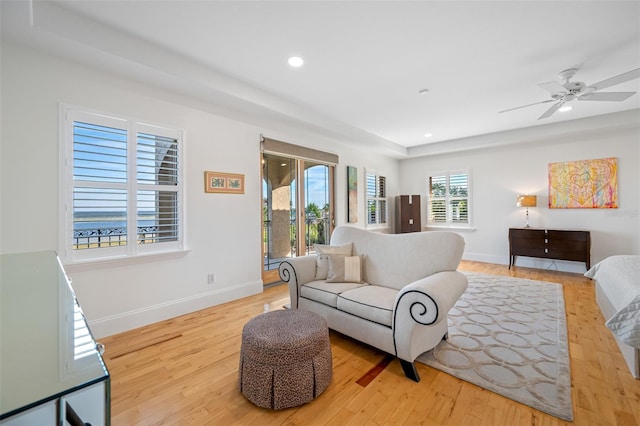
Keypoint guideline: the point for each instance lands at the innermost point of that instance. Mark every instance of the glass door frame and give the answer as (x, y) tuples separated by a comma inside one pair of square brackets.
[(270, 276)]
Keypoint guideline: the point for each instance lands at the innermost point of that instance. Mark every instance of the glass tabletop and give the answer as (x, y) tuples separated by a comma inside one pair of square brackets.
[(46, 348)]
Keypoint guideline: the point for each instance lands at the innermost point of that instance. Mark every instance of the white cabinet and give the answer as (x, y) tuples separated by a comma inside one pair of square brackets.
[(41, 415), (89, 404)]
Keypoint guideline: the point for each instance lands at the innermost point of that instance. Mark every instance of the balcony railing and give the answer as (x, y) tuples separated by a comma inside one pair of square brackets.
[(111, 237), (317, 231)]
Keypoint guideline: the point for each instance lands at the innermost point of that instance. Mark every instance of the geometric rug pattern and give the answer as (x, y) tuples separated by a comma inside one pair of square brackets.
[(509, 335)]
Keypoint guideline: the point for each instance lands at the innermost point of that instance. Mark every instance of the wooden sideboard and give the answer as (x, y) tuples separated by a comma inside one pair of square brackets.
[(550, 244)]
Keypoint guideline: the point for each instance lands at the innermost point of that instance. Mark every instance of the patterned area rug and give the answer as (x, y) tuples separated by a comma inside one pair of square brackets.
[(509, 335)]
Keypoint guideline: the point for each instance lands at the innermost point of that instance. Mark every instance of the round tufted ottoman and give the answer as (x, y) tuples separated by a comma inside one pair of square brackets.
[(285, 358)]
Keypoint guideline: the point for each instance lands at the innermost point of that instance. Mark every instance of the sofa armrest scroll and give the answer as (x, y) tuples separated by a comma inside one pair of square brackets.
[(429, 299), (297, 271), (424, 303)]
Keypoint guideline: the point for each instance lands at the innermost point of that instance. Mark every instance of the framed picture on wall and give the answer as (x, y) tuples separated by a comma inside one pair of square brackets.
[(230, 183), (352, 194), (584, 184)]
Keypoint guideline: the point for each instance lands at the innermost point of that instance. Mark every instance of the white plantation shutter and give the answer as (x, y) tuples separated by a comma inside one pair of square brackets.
[(459, 198), (449, 200), (376, 199), (157, 172), (99, 183), (157, 160), (124, 187), (371, 202), (438, 199)]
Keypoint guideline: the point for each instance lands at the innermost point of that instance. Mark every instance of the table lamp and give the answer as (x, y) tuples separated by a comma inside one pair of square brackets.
[(526, 201)]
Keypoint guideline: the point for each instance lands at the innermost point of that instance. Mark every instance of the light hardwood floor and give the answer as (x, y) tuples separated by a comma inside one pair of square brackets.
[(183, 371)]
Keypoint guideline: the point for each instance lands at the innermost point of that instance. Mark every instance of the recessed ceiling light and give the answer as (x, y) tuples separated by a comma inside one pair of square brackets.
[(427, 135), (296, 61), (565, 108)]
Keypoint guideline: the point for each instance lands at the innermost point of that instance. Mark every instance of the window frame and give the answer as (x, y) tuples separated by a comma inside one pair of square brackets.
[(377, 199), (68, 116), (449, 223)]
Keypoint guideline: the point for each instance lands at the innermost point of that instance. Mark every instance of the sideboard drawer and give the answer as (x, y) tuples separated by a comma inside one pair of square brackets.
[(576, 256), (567, 245), (527, 234), (557, 236), (550, 244), (529, 251)]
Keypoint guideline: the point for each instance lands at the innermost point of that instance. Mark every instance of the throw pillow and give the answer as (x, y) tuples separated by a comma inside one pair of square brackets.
[(345, 269), (322, 260)]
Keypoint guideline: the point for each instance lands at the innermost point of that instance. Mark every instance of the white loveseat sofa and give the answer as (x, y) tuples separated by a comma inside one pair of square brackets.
[(409, 284)]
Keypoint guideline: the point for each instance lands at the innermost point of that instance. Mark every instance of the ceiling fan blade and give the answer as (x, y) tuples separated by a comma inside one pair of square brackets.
[(524, 106), (607, 96), (630, 75), (550, 111), (553, 87)]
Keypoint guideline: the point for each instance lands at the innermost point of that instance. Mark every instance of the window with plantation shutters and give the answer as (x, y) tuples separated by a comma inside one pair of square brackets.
[(122, 188), (376, 199), (449, 199)]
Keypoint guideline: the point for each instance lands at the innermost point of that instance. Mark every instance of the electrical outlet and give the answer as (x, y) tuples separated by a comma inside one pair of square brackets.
[(211, 278)]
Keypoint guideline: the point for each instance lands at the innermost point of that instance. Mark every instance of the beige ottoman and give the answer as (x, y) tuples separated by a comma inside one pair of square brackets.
[(285, 358)]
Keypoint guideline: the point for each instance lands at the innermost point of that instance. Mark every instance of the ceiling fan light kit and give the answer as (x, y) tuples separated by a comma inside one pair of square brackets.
[(569, 91), (295, 61)]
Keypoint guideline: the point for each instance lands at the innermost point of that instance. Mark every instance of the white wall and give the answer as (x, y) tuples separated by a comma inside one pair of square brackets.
[(223, 230), (499, 173)]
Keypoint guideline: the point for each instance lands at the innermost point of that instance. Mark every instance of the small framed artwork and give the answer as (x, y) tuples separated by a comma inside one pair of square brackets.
[(229, 183)]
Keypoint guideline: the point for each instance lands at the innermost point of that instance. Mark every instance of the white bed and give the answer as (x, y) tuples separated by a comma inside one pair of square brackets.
[(617, 287)]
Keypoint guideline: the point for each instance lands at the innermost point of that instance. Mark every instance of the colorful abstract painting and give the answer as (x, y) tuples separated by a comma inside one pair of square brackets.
[(586, 184), (352, 194)]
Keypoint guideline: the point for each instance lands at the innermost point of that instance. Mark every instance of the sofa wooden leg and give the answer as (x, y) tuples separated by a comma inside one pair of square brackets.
[(410, 371)]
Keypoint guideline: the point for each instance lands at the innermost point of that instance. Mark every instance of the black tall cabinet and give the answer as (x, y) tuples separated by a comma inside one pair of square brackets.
[(408, 214)]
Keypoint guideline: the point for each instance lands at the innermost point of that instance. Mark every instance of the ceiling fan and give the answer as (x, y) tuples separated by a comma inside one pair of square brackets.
[(567, 90)]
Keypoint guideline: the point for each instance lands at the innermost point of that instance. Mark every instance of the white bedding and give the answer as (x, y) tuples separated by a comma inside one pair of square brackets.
[(619, 278)]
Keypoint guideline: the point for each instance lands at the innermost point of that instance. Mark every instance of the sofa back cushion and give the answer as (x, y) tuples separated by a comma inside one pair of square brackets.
[(395, 260), (345, 269), (322, 260)]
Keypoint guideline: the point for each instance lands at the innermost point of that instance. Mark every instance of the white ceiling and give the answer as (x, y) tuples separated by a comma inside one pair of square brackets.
[(365, 62)]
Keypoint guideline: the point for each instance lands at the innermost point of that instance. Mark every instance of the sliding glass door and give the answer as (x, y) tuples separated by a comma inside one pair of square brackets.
[(297, 209), (317, 205), (279, 202)]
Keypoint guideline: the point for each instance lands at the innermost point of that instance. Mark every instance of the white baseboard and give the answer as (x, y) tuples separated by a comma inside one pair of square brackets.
[(486, 258), (119, 323)]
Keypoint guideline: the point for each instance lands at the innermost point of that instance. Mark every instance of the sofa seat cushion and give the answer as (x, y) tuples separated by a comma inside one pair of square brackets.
[(371, 302), (326, 293)]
